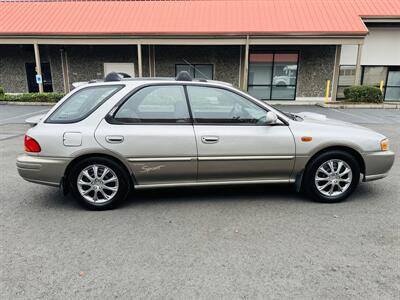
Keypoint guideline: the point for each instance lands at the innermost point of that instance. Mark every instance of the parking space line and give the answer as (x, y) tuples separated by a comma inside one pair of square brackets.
[(379, 119), (10, 136), (352, 115), (24, 115)]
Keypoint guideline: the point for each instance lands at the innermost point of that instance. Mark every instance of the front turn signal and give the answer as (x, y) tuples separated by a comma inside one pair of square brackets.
[(306, 138), (385, 145)]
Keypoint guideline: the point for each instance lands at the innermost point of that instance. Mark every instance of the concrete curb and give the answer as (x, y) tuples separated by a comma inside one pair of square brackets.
[(362, 105), (27, 103)]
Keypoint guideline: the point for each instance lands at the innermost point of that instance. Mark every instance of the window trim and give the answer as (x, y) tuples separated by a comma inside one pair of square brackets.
[(271, 85), (212, 69), (111, 120), (87, 114)]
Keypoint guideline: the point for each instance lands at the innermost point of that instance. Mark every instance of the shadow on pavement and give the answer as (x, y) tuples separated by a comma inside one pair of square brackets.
[(270, 193)]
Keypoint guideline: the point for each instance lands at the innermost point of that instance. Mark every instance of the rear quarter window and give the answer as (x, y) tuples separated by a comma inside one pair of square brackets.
[(82, 103)]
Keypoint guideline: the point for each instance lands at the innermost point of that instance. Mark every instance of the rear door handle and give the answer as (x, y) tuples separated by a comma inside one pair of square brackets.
[(114, 139), (209, 139)]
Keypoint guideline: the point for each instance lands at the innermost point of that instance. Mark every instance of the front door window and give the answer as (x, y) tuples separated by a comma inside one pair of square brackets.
[(219, 106)]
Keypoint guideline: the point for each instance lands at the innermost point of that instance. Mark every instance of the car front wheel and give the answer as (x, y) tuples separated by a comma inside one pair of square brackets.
[(332, 176), (98, 183)]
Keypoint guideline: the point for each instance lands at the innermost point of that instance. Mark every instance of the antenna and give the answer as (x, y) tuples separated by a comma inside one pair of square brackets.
[(205, 76)]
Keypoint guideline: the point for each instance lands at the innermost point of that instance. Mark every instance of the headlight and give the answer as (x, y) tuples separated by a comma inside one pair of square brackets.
[(385, 145)]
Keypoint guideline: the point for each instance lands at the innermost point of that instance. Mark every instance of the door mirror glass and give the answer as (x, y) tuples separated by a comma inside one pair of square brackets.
[(271, 118)]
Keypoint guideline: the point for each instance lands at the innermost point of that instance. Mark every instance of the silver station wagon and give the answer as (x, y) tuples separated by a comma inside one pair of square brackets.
[(106, 138)]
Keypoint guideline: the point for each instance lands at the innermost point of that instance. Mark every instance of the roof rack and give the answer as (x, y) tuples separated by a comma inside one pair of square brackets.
[(114, 76), (147, 78), (183, 76)]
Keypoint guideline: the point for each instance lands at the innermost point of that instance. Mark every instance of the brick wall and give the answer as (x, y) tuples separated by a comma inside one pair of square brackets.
[(87, 62)]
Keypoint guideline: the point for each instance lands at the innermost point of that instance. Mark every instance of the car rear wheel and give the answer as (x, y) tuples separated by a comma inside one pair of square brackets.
[(99, 183), (331, 176)]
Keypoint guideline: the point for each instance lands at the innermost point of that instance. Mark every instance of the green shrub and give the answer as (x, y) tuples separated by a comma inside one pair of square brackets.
[(363, 93), (33, 97), (1, 92)]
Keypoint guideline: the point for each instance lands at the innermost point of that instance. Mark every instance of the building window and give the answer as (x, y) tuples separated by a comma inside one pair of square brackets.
[(198, 71), (347, 77), (123, 68), (374, 75), (273, 75), (390, 75), (392, 89)]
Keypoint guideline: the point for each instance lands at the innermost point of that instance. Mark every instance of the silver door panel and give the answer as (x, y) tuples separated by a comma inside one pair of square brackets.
[(245, 167), (245, 152), (164, 170)]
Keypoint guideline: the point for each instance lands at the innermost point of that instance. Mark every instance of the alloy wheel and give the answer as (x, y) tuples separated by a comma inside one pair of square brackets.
[(333, 177), (97, 184)]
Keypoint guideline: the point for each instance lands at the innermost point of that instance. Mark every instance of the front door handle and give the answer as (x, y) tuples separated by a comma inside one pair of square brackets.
[(209, 139), (114, 139)]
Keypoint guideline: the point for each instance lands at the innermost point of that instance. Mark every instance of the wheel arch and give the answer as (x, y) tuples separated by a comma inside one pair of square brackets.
[(357, 155), (81, 157)]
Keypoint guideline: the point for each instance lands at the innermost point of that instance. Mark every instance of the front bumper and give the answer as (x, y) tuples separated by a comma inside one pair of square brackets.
[(42, 170), (377, 164)]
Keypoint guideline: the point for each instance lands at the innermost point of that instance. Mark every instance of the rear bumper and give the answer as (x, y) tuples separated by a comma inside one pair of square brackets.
[(377, 164), (42, 170)]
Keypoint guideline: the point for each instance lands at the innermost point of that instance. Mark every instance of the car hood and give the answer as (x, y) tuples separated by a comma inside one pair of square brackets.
[(316, 118)]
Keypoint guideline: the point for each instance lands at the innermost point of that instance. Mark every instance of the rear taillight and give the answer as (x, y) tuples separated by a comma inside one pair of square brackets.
[(31, 145)]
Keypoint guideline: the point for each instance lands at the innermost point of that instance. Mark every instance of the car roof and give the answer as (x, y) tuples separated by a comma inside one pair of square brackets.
[(138, 81)]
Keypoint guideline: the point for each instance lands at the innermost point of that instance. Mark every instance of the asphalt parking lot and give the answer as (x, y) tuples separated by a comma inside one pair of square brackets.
[(257, 242)]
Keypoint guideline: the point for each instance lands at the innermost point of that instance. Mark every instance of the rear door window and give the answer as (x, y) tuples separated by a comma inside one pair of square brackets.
[(82, 103), (155, 104)]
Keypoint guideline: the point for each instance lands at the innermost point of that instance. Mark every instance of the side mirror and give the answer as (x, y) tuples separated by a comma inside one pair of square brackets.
[(271, 118)]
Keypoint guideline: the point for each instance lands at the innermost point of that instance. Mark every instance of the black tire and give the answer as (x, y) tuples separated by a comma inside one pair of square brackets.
[(124, 183), (309, 184)]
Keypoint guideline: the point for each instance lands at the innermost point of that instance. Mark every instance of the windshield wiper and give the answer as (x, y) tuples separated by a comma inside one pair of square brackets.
[(295, 117)]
